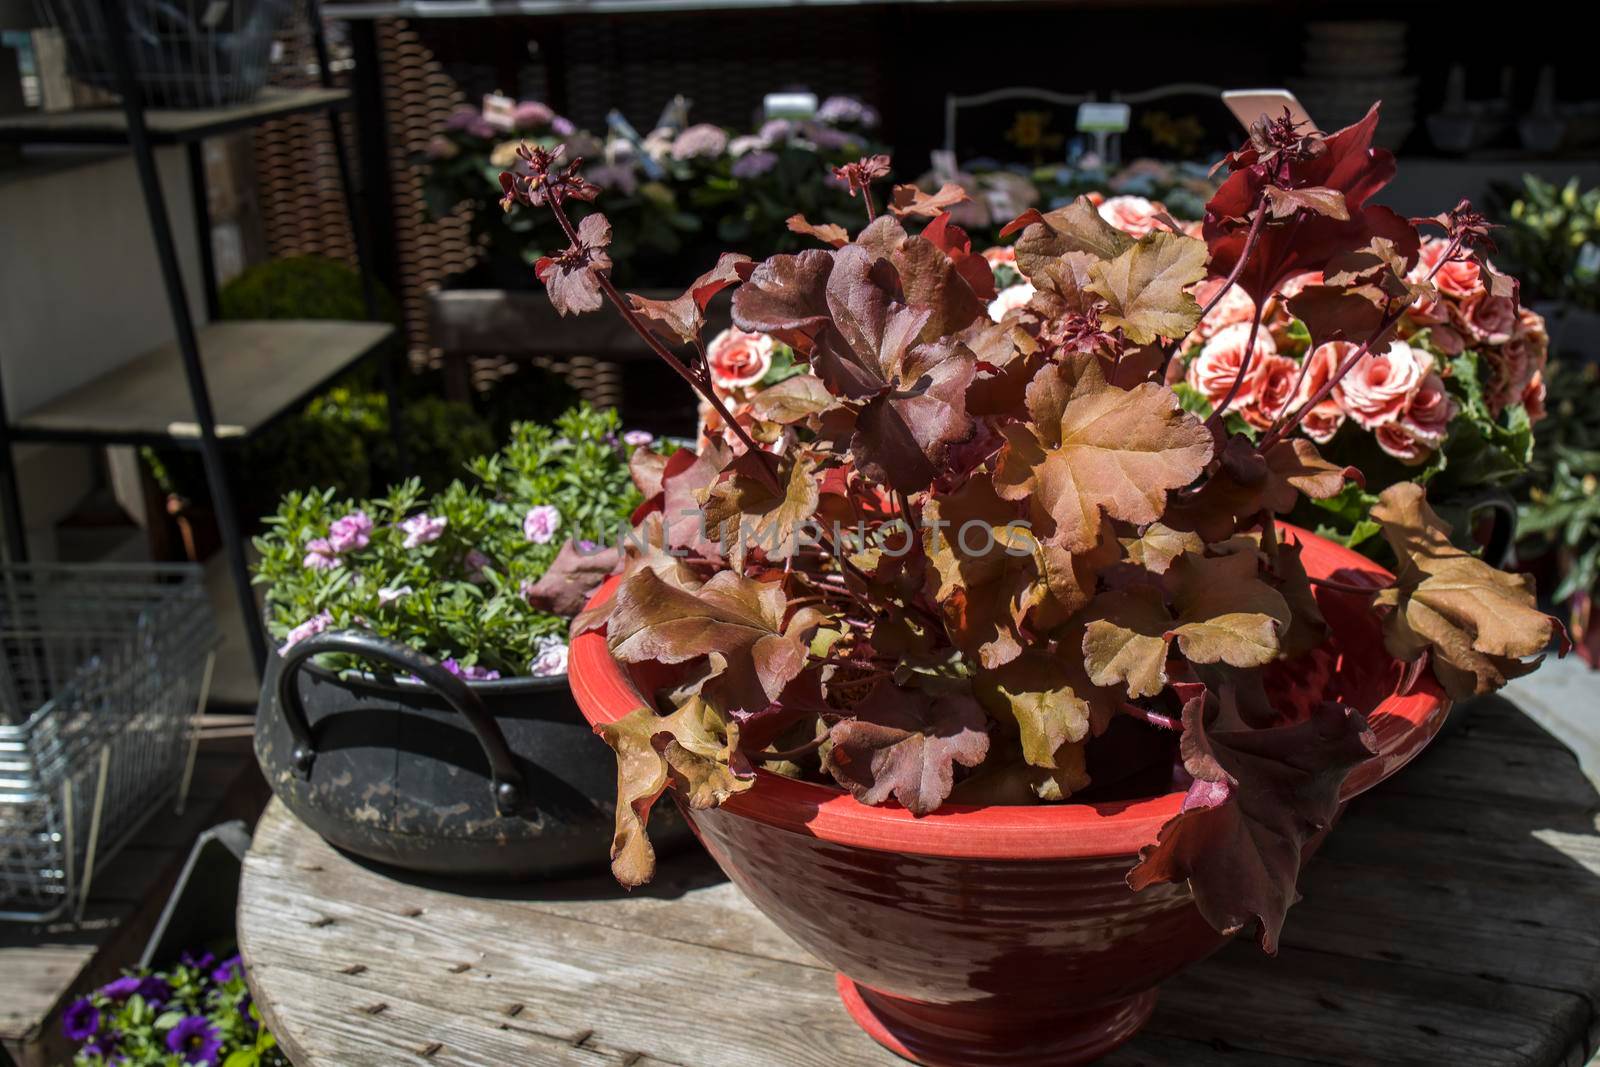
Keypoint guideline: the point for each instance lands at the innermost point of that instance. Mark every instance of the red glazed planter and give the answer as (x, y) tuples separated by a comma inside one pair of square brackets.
[(998, 935)]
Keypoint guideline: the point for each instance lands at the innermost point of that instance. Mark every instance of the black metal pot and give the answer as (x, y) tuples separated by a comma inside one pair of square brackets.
[(501, 779)]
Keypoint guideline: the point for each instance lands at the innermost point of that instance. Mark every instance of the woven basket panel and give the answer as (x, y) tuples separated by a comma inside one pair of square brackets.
[(297, 174)]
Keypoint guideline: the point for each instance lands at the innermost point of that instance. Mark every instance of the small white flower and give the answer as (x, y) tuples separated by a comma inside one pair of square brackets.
[(388, 596), (550, 658)]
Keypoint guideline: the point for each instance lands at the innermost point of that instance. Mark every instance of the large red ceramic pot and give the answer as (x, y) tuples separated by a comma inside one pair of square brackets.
[(1003, 935)]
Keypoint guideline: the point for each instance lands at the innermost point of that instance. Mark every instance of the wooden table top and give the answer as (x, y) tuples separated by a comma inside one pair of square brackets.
[(1453, 917)]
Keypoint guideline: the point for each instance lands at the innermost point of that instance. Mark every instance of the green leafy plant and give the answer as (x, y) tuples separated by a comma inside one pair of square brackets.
[(198, 1012), (482, 575), (960, 550), (301, 287), (1552, 239)]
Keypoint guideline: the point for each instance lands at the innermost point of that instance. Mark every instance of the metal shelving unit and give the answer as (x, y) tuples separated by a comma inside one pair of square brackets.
[(237, 377)]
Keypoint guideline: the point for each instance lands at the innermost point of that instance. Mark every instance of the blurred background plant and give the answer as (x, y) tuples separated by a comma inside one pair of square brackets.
[(1558, 521), (677, 195), (1550, 239)]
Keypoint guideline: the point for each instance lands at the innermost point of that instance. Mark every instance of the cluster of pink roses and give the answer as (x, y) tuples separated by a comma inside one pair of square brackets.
[(1398, 394)]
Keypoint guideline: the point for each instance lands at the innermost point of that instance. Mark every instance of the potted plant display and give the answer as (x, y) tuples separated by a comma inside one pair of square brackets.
[(980, 664), (416, 709), (197, 1011)]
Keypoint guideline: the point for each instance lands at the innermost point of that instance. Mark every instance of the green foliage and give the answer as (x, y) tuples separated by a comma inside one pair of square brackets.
[(1546, 233), (463, 592), (301, 287), (1560, 510)]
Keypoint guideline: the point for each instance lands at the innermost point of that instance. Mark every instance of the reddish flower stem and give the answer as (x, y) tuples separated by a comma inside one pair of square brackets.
[(769, 465), (1154, 718), (1244, 371), (866, 196), (1391, 317)]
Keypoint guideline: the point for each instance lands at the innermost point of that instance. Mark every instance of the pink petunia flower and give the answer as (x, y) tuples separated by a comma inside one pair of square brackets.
[(350, 533), (539, 525), (320, 555), (422, 529), (312, 626)]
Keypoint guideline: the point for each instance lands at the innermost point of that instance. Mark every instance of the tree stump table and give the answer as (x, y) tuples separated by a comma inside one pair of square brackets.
[(1452, 918)]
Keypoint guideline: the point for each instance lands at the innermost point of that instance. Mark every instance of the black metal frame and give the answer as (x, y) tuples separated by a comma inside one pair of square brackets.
[(142, 143)]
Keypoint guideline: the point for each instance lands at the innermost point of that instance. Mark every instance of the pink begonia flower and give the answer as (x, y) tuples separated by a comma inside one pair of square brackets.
[(388, 596), (1534, 396), (471, 674), (320, 555), (1429, 414), (1380, 386), (1212, 371), (1492, 319), (1133, 215), (312, 626), (1458, 278), (422, 529), (541, 523), (1324, 420), (549, 659), (350, 533), (1272, 382), (1000, 255), (738, 359), (1013, 296)]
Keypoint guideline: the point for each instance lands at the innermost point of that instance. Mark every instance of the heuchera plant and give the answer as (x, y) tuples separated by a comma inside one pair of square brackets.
[(998, 562)]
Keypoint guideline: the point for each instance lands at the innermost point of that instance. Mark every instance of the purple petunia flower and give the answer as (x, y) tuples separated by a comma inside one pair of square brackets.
[(351, 532), (637, 438), (228, 969), (462, 117), (201, 962), (122, 988), (587, 547), (562, 126), (105, 1046), (195, 1039), (312, 626), (754, 164), (481, 127), (539, 525), (155, 991), (471, 674), (80, 1021), (320, 555), (422, 529), (475, 562)]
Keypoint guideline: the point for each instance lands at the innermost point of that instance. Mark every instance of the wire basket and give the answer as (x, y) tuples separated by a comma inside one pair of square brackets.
[(102, 669), (184, 53)]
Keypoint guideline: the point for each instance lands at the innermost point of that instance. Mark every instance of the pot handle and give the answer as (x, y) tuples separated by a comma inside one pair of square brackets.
[(505, 781)]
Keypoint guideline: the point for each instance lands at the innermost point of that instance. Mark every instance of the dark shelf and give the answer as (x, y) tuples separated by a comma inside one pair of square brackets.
[(255, 372), (109, 125)]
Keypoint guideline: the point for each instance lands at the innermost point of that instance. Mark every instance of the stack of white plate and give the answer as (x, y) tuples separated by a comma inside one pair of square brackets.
[(1349, 65)]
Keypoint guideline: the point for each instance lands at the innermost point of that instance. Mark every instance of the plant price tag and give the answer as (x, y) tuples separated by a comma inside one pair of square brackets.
[(1103, 118)]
